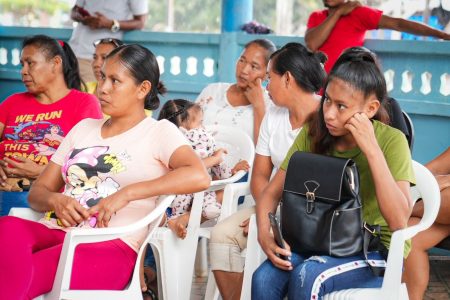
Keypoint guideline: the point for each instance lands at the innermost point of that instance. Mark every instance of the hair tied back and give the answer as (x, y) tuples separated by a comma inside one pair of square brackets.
[(361, 57), (322, 57), (161, 88), (177, 113), (357, 59)]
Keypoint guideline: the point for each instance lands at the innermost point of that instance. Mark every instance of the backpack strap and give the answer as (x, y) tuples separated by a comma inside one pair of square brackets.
[(372, 242)]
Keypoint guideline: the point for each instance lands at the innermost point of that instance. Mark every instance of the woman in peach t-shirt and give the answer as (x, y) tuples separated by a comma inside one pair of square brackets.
[(112, 172)]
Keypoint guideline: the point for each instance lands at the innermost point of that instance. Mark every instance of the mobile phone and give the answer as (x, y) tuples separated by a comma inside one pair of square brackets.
[(277, 234), (83, 12)]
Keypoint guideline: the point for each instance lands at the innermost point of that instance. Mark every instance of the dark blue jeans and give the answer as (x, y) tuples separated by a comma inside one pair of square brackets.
[(12, 199), (313, 277), (243, 179), (149, 260)]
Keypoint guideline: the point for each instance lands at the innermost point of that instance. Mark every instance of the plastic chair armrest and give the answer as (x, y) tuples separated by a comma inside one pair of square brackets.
[(221, 183), (77, 236), (25, 213)]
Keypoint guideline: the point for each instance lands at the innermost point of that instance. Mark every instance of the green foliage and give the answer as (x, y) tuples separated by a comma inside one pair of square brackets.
[(157, 15), (264, 11), (204, 15), (34, 6), (201, 16), (189, 16), (192, 15), (302, 10)]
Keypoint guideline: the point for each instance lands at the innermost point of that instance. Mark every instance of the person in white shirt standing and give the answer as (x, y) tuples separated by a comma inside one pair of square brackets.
[(99, 19)]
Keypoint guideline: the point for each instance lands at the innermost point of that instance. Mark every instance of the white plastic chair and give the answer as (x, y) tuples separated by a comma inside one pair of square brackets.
[(252, 262), (61, 284), (176, 257), (392, 287), (426, 188), (239, 147)]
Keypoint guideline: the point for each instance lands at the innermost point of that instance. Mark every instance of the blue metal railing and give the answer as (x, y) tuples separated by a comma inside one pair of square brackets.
[(417, 72)]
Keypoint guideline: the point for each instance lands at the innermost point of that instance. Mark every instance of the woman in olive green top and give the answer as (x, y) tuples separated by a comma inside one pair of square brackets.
[(350, 124)]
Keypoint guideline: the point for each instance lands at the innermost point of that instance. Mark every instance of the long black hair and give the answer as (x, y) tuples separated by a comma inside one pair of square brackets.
[(359, 68), (142, 65), (176, 111), (305, 66), (51, 48)]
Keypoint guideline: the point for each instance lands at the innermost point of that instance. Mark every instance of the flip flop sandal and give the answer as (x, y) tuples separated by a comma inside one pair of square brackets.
[(149, 293)]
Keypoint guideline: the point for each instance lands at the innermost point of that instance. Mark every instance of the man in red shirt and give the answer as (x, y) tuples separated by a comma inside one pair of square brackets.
[(344, 24)]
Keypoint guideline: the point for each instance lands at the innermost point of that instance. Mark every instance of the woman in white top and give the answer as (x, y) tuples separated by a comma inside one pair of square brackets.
[(295, 76), (241, 104)]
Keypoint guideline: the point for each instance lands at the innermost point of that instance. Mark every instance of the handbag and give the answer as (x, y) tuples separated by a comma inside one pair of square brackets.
[(321, 212)]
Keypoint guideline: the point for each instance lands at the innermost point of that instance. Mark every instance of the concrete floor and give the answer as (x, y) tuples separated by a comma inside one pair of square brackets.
[(438, 288), (439, 285)]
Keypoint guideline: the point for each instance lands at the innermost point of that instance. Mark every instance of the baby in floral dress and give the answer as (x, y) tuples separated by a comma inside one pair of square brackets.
[(187, 116)]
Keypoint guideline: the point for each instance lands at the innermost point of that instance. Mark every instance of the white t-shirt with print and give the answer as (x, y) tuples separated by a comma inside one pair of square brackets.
[(276, 135), (218, 111), (94, 167)]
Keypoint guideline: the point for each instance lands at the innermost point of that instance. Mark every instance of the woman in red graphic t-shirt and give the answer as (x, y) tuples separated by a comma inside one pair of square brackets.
[(33, 123)]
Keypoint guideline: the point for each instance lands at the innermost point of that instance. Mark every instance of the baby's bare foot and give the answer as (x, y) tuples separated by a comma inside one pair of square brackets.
[(179, 225)]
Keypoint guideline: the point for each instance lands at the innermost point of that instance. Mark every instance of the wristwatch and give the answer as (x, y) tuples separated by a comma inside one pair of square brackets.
[(115, 26)]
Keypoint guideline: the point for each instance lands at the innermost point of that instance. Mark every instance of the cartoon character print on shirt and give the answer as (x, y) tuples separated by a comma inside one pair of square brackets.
[(35, 136), (37, 141), (51, 140), (29, 131), (86, 174)]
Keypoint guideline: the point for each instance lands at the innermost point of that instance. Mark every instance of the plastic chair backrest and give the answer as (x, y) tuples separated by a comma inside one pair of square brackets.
[(238, 144)]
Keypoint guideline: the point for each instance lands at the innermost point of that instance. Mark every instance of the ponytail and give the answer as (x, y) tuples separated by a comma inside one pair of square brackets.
[(305, 66), (51, 48), (71, 69), (152, 100), (358, 67), (176, 111)]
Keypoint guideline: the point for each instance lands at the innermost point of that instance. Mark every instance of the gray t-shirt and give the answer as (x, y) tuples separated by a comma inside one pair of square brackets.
[(83, 37)]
